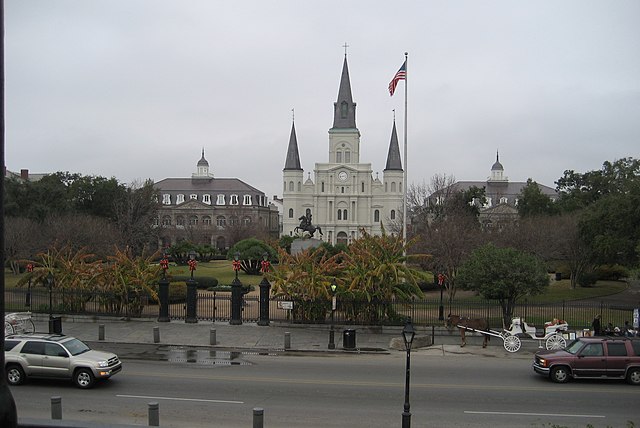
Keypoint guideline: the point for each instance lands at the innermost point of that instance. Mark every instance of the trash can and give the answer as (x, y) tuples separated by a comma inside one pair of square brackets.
[(349, 339), (55, 325)]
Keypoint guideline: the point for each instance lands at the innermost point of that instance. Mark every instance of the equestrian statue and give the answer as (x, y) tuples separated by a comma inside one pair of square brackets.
[(307, 226)]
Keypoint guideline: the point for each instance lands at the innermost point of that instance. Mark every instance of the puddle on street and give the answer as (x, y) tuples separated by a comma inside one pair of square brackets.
[(206, 357)]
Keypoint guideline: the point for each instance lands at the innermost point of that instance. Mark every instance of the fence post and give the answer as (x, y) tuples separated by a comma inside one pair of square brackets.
[(56, 407), (212, 337), (154, 414), (101, 332), (156, 334)]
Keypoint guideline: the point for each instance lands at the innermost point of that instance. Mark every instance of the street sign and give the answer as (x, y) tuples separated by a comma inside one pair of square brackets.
[(285, 305)]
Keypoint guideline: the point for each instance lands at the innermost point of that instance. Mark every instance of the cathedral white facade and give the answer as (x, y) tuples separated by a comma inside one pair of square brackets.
[(343, 197)]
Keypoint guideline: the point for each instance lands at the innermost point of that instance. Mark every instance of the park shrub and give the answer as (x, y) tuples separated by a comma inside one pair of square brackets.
[(587, 278), (612, 272)]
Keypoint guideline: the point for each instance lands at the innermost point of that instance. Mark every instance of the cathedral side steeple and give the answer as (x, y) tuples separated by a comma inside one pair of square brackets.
[(292, 163), (394, 163)]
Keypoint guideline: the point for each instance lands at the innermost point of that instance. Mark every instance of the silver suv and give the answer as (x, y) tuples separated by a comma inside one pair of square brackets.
[(56, 356)]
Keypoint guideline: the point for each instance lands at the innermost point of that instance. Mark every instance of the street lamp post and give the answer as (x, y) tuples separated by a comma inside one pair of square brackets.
[(163, 290), (408, 333), (334, 287), (27, 303), (441, 307), (192, 292), (50, 281), (236, 293), (264, 291)]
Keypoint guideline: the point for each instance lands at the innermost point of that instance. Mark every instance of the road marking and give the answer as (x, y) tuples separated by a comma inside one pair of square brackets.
[(147, 397), (534, 414)]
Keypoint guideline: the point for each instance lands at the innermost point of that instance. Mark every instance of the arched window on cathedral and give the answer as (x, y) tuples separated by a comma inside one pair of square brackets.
[(386, 187), (400, 187), (344, 214), (291, 186), (322, 187), (299, 186), (362, 187), (290, 212), (339, 214), (342, 238), (347, 156), (393, 214), (376, 216), (393, 186), (284, 186), (339, 156)]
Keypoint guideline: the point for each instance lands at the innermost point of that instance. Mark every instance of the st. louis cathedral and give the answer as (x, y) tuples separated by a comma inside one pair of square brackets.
[(344, 197)]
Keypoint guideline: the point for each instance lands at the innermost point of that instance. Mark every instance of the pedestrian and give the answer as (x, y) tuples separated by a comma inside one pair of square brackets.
[(627, 330), (595, 325)]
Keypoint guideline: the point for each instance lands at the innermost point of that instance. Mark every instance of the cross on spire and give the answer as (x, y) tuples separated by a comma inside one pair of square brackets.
[(345, 46)]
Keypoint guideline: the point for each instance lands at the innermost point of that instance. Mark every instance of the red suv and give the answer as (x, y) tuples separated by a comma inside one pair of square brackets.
[(592, 358)]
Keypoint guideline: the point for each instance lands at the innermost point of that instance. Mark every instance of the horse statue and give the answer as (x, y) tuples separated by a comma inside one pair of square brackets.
[(306, 226), (471, 324)]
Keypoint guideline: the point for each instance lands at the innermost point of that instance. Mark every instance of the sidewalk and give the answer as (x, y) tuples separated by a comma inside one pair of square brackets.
[(303, 338)]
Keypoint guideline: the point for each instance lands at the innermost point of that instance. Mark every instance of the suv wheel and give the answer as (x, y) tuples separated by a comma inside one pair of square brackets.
[(15, 375), (83, 378), (560, 374), (633, 377)]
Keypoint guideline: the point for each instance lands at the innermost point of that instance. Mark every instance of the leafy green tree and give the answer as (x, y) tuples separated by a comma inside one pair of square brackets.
[(533, 202), (503, 274), (250, 252)]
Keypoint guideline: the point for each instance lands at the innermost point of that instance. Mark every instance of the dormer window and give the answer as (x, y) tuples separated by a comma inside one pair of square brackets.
[(246, 200), (166, 199), (180, 199), (220, 200), (206, 199), (503, 200), (193, 197), (234, 200)]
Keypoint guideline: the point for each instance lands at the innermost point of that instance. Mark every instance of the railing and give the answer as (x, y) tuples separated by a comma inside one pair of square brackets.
[(216, 306)]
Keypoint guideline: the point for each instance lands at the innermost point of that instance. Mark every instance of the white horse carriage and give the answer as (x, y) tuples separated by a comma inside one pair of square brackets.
[(552, 335)]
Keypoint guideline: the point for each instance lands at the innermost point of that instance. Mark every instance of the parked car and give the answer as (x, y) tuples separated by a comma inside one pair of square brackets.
[(592, 358), (56, 356)]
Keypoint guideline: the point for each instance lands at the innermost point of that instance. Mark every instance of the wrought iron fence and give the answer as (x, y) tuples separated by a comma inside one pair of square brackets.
[(216, 306)]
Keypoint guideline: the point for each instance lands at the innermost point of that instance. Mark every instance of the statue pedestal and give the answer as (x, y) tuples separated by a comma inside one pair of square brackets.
[(300, 245)]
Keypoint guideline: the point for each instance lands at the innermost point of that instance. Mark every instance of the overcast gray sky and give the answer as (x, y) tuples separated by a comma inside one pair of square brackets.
[(134, 89)]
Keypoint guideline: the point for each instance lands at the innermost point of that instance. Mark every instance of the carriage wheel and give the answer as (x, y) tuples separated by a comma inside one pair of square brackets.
[(8, 328), (555, 341), (512, 343)]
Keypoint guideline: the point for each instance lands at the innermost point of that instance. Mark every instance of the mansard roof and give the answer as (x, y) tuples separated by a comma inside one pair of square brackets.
[(210, 185)]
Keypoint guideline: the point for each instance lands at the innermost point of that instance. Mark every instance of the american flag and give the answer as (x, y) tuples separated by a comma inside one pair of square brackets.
[(400, 75)]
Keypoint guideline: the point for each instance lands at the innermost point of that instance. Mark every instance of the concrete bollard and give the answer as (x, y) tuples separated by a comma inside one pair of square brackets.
[(212, 337), (156, 334), (56, 407), (287, 340), (154, 414), (101, 332), (258, 417)]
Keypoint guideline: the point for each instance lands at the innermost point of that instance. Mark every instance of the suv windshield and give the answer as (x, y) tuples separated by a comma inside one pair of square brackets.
[(76, 347), (574, 347)]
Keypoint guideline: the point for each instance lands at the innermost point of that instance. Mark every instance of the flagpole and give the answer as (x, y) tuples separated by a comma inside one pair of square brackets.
[(404, 196)]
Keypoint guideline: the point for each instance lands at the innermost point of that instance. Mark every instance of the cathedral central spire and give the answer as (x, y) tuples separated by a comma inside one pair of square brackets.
[(344, 114)]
